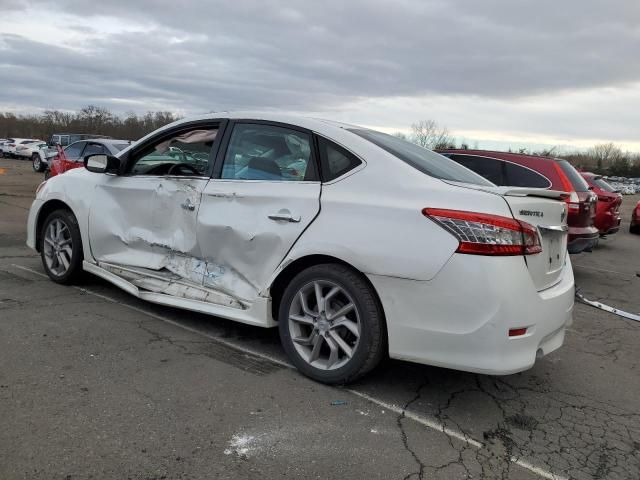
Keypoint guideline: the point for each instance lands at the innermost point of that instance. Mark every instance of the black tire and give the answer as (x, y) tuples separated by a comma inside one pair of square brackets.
[(372, 343), (36, 163), (74, 271), (635, 229), (47, 174)]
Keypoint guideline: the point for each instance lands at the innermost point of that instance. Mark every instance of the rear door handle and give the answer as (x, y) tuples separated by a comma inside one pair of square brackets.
[(287, 217)]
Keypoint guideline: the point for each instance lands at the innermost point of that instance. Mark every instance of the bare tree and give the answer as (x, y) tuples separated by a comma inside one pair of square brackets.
[(428, 134), (605, 154)]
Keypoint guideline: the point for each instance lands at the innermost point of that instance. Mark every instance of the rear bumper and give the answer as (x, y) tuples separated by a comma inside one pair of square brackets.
[(582, 239), (608, 222), (462, 317)]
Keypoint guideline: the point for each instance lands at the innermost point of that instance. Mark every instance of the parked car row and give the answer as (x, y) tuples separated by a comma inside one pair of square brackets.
[(18, 147)]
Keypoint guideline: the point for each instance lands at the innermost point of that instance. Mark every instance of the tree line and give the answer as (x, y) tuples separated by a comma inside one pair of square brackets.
[(90, 119), (604, 159)]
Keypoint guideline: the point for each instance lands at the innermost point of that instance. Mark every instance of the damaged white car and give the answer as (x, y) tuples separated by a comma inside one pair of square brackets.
[(356, 244)]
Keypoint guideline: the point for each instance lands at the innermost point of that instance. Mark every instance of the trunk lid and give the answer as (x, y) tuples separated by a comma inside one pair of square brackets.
[(547, 211)]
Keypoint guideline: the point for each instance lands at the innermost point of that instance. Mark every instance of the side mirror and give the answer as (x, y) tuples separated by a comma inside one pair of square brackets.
[(100, 163)]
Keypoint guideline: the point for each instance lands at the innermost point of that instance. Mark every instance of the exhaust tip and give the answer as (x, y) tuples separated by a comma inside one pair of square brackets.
[(539, 354)]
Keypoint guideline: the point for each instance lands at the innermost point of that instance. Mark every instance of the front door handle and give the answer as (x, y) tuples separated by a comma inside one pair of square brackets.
[(287, 217), (187, 205)]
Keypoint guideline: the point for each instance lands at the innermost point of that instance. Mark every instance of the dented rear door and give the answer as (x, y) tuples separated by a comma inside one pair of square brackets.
[(267, 194)]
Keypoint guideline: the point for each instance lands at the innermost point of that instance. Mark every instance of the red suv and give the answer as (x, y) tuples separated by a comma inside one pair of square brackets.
[(609, 201), (521, 170)]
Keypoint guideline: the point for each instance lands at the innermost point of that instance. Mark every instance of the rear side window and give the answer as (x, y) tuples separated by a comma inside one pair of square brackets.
[(490, 168), (519, 176), (335, 161), (603, 184), (94, 149), (423, 160), (74, 150), (579, 183)]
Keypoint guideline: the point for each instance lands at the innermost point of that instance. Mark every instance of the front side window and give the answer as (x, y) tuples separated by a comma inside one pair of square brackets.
[(268, 152), (185, 154), (74, 150), (423, 160)]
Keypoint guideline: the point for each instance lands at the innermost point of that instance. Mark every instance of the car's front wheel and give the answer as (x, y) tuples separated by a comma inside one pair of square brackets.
[(331, 324), (61, 247)]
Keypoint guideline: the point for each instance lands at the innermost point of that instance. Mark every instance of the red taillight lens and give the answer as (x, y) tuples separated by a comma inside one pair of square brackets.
[(485, 234)]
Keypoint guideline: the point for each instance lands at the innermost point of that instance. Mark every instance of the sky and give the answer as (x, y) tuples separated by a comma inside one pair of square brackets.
[(495, 72)]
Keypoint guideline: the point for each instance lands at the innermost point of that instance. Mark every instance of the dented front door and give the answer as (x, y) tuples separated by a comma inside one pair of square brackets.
[(148, 222)]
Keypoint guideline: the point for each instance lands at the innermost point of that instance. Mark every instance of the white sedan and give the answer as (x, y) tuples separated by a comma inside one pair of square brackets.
[(26, 150), (354, 243)]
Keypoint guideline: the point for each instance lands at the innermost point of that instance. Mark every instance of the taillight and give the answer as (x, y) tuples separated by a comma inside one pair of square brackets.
[(485, 234)]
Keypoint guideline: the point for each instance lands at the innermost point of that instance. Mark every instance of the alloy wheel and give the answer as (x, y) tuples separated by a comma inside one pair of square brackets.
[(58, 247), (325, 325)]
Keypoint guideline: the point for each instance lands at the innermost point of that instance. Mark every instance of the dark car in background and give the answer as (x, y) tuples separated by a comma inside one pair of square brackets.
[(64, 139), (609, 201), (522, 170)]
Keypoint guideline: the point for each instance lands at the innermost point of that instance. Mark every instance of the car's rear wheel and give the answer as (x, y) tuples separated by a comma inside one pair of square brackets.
[(61, 247), (331, 324), (634, 229), (36, 163), (47, 174)]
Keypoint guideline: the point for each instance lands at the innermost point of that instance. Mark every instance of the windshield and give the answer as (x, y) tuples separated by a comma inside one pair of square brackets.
[(603, 184), (426, 161), (579, 183)]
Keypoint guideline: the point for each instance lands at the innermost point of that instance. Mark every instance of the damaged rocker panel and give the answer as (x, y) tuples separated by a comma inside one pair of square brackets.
[(169, 283)]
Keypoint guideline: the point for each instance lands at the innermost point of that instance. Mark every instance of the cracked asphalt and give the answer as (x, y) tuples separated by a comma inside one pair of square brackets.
[(97, 384)]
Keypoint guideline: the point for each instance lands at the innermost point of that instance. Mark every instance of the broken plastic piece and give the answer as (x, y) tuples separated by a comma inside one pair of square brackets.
[(607, 308)]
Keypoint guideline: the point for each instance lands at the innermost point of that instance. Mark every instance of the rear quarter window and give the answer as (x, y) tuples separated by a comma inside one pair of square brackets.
[(579, 183), (519, 176), (490, 168), (423, 160)]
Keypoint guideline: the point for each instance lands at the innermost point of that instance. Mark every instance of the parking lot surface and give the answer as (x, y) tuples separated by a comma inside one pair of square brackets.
[(97, 384)]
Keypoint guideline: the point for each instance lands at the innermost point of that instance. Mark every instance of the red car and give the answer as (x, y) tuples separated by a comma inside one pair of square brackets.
[(609, 201), (635, 220), (72, 156), (521, 170)]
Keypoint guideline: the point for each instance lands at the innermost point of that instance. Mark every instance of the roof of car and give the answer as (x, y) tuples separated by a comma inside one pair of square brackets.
[(104, 141), (494, 152)]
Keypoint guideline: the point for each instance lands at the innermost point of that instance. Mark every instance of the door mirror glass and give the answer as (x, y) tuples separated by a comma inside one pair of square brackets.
[(101, 163)]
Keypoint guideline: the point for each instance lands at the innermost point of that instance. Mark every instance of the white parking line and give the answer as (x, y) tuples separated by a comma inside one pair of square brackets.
[(429, 423)]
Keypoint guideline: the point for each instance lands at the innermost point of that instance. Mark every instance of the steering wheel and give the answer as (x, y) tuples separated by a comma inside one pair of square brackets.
[(180, 166)]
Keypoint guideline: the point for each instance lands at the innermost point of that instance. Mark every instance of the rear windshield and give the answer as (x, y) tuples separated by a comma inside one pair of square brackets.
[(120, 146), (579, 183), (603, 184), (426, 161)]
